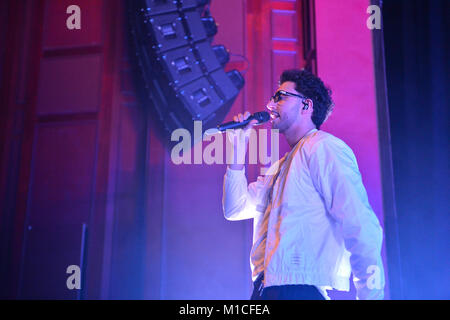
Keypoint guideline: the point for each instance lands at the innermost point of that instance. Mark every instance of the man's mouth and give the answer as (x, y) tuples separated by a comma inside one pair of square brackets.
[(274, 115)]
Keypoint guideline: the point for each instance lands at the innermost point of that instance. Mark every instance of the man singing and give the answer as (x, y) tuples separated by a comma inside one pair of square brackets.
[(312, 222)]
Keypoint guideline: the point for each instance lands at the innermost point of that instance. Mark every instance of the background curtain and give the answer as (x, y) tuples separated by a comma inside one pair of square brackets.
[(416, 35)]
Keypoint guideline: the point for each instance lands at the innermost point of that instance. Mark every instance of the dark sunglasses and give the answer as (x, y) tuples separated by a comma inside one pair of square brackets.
[(277, 96)]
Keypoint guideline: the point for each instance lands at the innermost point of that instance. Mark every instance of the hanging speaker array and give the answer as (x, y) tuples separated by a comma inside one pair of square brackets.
[(180, 73)]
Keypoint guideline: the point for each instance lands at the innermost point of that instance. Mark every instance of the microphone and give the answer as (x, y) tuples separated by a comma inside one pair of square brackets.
[(261, 117)]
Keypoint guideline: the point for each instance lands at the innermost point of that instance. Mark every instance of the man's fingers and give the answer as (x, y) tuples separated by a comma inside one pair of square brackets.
[(242, 117), (242, 133), (251, 124)]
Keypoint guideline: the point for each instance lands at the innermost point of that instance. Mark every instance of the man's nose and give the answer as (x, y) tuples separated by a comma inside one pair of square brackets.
[(271, 105)]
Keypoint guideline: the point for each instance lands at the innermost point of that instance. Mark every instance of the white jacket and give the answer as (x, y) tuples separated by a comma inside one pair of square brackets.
[(317, 226)]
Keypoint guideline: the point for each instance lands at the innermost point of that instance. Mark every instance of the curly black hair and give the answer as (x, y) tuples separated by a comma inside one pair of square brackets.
[(313, 88)]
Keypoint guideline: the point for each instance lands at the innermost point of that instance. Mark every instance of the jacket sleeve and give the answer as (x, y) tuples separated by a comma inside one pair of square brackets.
[(240, 202), (336, 176)]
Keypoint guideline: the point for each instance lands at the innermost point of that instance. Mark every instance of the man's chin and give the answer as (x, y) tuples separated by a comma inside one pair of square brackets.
[(276, 124)]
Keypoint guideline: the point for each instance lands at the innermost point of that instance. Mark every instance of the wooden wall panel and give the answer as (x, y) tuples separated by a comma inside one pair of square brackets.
[(282, 60), (60, 202), (17, 97), (62, 173), (284, 25), (70, 84), (56, 34), (60, 108)]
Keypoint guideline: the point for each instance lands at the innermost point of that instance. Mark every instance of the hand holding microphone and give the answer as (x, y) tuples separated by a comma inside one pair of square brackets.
[(238, 133), (240, 136), (260, 117)]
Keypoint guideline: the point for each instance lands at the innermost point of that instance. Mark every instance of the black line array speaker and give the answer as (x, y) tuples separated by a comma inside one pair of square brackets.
[(180, 73)]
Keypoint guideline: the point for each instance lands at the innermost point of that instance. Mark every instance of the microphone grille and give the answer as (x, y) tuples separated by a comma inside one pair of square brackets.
[(262, 116)]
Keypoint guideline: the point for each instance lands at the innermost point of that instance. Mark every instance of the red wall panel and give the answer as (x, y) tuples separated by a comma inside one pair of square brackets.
[(60, 202), (63, 172), (284, 25), (70, 84), (65, 138), (57, 35)]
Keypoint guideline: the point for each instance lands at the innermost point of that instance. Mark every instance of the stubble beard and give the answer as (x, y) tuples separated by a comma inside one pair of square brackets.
[(282, 124)]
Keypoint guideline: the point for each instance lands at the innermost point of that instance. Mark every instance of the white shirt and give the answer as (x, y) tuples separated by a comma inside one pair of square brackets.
[(315, 224)]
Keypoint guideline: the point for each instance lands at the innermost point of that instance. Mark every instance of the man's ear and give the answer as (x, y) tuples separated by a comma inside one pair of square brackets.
[(307, 105)]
